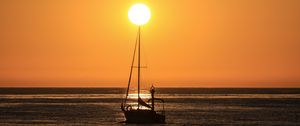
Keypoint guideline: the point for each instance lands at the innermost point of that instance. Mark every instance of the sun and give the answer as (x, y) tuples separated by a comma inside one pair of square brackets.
[(139, 14)]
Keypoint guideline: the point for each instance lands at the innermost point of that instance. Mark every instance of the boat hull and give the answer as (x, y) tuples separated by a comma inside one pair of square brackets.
[(143, 116)]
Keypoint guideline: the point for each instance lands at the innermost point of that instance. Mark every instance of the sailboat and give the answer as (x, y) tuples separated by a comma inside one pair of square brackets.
[(138, 110), (142, 112)]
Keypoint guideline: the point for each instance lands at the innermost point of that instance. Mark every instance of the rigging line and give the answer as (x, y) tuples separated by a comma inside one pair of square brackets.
[(131, 68), (145, 55), (139, 64), (146, 71)]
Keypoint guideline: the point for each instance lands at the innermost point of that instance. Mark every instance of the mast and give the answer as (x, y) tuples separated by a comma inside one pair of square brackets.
[(131, 68), (137, 43), (139, 66)]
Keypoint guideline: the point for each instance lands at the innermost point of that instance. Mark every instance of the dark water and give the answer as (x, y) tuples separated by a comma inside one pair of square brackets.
[(197, 106)]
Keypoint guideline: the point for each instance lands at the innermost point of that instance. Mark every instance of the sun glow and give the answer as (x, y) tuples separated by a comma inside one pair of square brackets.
[(139, 14)]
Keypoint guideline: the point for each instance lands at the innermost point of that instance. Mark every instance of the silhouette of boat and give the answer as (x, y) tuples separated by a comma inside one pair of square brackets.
[(141, 112)]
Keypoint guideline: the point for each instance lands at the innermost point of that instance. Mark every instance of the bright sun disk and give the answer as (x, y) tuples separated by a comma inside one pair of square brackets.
[(139, 14)]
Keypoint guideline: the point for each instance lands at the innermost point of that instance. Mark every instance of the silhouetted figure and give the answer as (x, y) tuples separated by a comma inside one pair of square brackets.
[(152, 90)]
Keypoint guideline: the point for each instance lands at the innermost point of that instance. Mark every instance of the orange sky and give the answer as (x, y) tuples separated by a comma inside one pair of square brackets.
[(198, 43)]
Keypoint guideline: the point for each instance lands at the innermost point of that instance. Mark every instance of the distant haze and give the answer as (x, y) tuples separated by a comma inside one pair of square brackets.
[(197, 43)]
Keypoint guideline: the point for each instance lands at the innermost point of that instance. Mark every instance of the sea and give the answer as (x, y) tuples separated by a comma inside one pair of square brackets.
[(183, 106)]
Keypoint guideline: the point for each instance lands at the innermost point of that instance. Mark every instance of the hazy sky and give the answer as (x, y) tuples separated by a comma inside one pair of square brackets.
[(205, 43)]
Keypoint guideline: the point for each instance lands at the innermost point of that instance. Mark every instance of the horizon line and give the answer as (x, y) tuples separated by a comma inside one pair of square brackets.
[(156, 87)]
